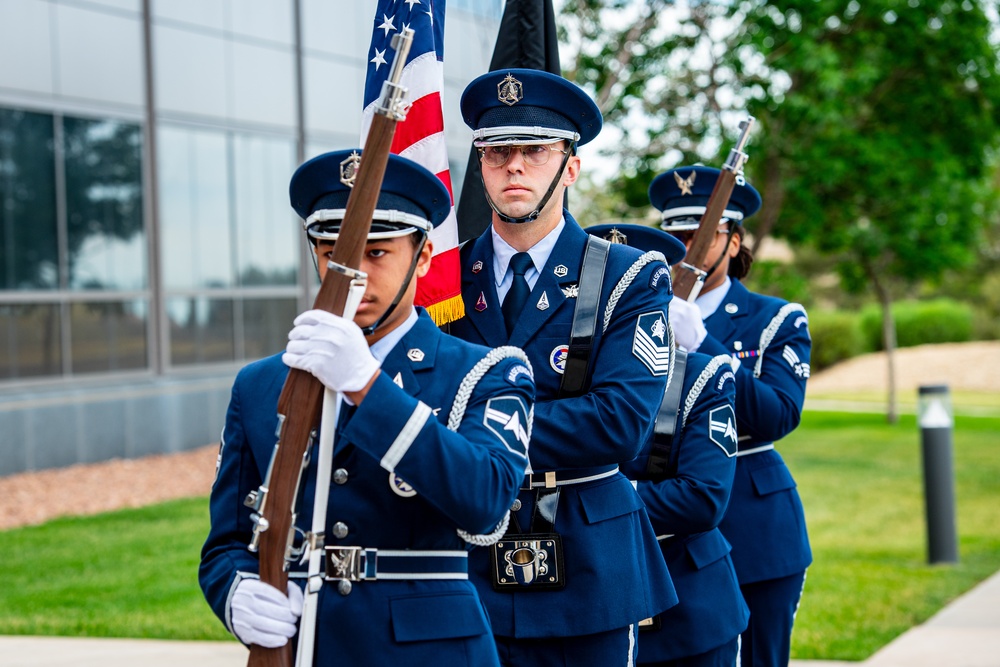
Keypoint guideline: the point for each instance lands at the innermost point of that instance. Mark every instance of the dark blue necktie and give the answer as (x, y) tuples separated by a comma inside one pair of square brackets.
[(517, 296)]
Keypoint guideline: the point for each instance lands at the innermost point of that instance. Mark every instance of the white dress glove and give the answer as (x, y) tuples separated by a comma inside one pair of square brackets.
[(262, 615), (333, 349), (689, 329)]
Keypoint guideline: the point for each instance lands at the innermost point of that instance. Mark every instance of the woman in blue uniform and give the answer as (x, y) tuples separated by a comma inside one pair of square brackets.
[(412, 483), (684, 474), (768, 339)]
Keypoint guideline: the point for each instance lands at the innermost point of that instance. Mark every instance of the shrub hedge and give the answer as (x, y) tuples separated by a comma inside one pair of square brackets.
[(839, 335)]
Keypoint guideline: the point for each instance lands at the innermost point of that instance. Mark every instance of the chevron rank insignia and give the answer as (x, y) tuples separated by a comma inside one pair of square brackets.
[(650, 342), (722, 429), (800, 367), (507, 417)]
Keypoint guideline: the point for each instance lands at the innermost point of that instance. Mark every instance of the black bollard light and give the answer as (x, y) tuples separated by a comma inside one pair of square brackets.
[(934, 415)]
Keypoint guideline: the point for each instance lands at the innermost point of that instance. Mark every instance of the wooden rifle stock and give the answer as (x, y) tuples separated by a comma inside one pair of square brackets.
[(686, 274), (301, 399)]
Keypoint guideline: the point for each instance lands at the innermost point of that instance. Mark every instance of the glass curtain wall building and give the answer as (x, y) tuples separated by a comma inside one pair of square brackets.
[(147, 248)]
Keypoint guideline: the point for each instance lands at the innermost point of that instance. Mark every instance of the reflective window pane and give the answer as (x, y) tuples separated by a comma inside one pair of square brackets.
[(28, 243), (201, 330), (196, 249), (266, 323), (106, 239), (108, 336), (267, 230), (29, 341)]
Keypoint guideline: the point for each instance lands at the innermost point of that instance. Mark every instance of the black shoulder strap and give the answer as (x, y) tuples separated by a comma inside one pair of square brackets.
[(658, 465), (588, 301)]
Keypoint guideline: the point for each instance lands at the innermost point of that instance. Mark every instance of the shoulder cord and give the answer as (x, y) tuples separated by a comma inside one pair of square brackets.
[(626, 280), (458, 407), (699, 384), (772, 329)]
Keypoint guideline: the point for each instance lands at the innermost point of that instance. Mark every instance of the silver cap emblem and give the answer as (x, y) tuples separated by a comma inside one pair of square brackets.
[(349, 169), (685, 183), (510, 91)]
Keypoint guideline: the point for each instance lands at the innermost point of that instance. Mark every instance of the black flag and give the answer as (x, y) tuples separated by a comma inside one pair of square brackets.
[(527, 38)]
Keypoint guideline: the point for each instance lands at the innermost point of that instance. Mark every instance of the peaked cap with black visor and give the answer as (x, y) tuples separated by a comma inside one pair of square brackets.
[(642, 237), (411, 200), (525, 107), (681, 195)]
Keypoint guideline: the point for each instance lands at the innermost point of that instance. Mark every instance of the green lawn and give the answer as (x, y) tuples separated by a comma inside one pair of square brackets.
[(133, 573), (862, 487)]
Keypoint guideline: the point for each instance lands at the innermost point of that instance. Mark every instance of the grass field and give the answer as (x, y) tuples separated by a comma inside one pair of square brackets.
[(862, 487), (133, 573)]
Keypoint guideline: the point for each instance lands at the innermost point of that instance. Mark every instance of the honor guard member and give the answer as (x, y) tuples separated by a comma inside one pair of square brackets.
[(412, 480), (579, 566), (684, 474), (768, 339)]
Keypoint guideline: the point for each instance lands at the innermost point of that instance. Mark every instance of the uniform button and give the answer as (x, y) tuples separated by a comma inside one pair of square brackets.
[(344, 587), (516, 505), (340, 476), (340, 530)]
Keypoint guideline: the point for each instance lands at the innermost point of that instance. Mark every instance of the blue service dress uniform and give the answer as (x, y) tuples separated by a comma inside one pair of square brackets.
[(765, 522), (614, 573), (445, 480), (685, 503)]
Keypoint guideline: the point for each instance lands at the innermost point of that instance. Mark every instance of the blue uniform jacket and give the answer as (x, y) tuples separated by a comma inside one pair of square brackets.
[(765, 522), (685, 506), (465, 479), (615, 575)]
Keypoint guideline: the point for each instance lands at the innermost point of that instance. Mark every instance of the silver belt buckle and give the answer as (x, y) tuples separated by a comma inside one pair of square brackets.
[(344, 563)]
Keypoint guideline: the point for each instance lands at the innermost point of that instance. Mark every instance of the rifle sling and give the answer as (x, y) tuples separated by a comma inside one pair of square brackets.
[(588, 301), (658, 465)]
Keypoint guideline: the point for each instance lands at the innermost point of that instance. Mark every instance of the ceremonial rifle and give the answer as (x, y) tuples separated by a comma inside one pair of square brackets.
[(689, 276), (301, 398)]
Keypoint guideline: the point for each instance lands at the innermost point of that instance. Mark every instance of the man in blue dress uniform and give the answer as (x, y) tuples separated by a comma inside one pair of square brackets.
[(430, 449), (684, 474), (768, 339), (579, 566)]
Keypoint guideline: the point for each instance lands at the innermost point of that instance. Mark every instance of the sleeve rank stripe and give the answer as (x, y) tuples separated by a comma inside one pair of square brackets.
[(402, 443)]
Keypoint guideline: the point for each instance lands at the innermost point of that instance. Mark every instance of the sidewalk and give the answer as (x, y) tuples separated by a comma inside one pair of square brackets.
[(966, 633)]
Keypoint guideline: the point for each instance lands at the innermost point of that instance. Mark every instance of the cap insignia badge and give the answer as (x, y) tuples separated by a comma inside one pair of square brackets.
[(349, 169), (561, 271), (685, 183), (510, 91), (543, 303), (415, 354), (481, 303), (615, 236), (477, 267)]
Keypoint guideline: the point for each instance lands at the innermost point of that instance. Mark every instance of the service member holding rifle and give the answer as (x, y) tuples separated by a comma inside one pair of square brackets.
[(422, 446), (768, 340), (684, 475)]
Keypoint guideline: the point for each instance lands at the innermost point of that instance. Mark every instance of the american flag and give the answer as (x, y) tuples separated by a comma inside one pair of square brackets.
[(421, 136)]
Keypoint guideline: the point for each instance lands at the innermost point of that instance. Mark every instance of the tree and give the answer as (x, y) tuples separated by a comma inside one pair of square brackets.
[(878, 121), (881, 121), (661, 76)]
